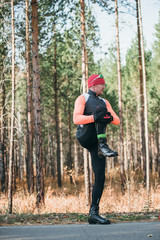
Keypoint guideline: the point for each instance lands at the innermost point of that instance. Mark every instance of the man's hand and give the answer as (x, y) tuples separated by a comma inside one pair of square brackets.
[(107, 118), (100, 114)]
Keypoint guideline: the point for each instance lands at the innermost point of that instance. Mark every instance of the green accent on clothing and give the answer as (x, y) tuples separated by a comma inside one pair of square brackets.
[(101, 136)]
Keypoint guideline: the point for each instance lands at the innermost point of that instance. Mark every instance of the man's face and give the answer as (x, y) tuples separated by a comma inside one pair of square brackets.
[(99, 89)]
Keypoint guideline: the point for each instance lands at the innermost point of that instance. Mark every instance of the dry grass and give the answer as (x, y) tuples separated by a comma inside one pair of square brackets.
[(71, 198)]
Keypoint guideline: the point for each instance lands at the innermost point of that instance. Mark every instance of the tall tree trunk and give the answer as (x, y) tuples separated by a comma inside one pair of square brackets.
[(135, 149), (15, 167), (89, 159), (70, 160), (86, 177), (55, 84), (3, 132), (3, 111), (157, 146), (86, 65), (10, 180), (1, 163), (140, 136), (84, 84), (47, 152), (53, 152), (19, 150), (76, 166), (37, 106), (83, 46), (153, 154), (143, 157), (120, 102), (145, 101), (29, 154), (126, 163), (61, 144)]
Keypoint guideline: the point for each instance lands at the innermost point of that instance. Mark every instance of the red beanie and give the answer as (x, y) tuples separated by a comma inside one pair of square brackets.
[(95, 79)]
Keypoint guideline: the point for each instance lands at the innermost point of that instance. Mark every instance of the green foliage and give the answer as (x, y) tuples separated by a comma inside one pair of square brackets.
[(109, 5), (154, 69)]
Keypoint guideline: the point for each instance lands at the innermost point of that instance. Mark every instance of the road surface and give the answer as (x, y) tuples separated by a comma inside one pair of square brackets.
[(119, 231)]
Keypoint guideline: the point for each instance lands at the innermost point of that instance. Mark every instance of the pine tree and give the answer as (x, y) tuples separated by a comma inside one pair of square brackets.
[(141, 93), (120, 101), (37, 105), (10, 181), (145, 100), (3, 170), (30, 123)]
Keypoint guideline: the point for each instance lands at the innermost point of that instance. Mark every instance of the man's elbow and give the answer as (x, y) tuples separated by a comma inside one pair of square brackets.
[(75, 120), (116, 121)]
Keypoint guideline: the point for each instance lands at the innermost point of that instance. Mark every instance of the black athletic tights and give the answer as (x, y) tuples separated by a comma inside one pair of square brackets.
[(98, 165), (89, 141)]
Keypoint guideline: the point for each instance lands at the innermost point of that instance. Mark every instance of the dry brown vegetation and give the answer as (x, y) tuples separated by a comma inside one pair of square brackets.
[(71, 197)]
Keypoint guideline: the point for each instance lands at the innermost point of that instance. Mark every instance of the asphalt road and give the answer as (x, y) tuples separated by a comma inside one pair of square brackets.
[(120, 231)]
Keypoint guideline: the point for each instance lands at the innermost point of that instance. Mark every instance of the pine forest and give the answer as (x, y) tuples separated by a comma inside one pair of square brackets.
[(47, 53)]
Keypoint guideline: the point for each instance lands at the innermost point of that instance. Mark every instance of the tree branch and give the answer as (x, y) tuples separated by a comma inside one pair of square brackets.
[(4, 4)]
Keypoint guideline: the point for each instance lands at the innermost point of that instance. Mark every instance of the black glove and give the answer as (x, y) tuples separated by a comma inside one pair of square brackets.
[(107, 118), (100, 113)]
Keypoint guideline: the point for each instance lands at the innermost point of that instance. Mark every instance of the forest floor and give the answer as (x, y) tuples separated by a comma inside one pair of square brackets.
[(74, 218)]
